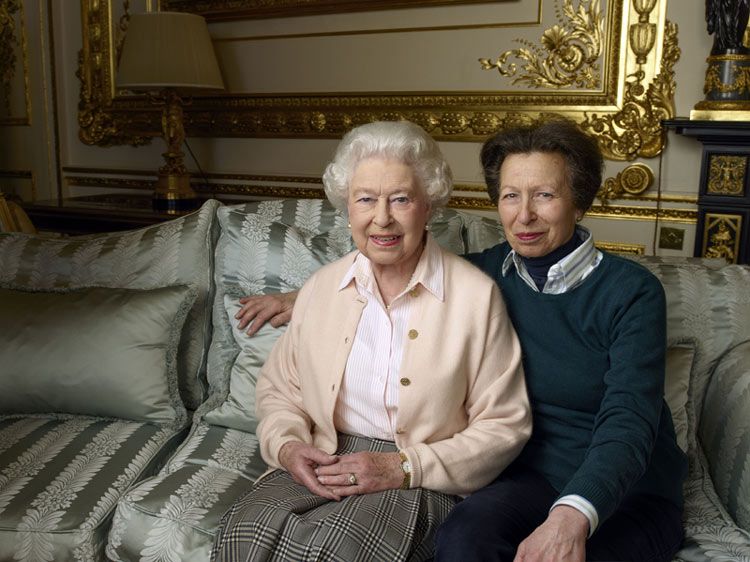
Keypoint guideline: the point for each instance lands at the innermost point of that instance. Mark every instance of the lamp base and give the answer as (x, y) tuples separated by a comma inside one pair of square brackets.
[(173, 193)]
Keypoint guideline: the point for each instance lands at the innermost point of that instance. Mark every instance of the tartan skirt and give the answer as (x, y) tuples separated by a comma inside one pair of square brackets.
[(279, 519)]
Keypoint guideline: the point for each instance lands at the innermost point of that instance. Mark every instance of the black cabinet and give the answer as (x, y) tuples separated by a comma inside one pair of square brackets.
[(723, 228)]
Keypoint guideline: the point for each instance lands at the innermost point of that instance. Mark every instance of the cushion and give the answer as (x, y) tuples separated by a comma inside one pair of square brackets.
[(266, 247), (725, 432), (99, 352), (177, 252), (175, 514), (274, 246), (677, 381), (60, 480)]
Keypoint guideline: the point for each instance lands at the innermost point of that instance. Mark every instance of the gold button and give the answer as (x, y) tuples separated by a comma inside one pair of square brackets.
[(400, 431), (413, 334), (405, 381), (414, 292)]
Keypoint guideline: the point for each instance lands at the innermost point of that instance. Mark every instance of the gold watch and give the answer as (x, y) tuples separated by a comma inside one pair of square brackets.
[(406, 467)]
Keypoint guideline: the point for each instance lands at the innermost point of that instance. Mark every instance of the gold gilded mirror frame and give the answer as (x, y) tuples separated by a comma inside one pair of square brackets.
[(636, 61)]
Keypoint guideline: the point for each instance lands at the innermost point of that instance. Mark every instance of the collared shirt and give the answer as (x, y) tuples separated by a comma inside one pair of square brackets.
[(367, 404), (566, 274), (562, 277)]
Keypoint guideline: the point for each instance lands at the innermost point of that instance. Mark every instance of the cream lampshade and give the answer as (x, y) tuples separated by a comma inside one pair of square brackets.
[(169, 54)]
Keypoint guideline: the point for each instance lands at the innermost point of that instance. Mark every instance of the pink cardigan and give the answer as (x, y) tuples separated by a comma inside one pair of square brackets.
[(463, 412)]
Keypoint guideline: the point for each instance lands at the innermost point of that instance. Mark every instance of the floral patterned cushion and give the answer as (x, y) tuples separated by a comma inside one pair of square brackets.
[(61, 477), (177, 252), (174, 515)]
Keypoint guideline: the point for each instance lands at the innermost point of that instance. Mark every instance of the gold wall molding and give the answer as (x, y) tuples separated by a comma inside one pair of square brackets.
[(622, 113), (631, 212), (568, 55), (622, 248), (271, 186), (222, 10)]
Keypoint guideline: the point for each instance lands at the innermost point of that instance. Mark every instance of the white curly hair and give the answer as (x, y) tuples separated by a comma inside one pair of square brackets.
[(400, 140)]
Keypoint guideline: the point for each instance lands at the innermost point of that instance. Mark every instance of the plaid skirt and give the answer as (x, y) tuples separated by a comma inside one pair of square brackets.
[(279, 519)]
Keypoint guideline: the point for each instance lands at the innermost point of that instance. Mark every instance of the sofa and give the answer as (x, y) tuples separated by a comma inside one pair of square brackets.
[(127, 425)]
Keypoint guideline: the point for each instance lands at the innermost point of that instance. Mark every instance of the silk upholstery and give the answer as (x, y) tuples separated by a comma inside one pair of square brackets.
[(177, 252), (99, 352)]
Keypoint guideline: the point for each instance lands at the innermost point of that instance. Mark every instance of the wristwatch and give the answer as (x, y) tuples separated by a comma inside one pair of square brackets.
[(406, 467)]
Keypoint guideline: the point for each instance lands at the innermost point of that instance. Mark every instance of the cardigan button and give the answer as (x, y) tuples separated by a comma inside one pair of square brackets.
[(414, 292), (413, 334), (405, 382), (400, 431)]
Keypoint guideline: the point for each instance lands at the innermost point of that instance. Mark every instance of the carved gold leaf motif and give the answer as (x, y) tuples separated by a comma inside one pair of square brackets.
[(568, 55), (636, 129)]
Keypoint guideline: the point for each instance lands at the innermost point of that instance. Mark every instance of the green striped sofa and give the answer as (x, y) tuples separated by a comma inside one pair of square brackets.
[(135, 455)]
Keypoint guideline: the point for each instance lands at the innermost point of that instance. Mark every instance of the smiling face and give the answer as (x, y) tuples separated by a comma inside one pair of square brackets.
[(535, 203), (388, 211)]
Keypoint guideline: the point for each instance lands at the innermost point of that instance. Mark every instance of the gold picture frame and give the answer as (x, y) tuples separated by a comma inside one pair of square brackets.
[(636, 57)]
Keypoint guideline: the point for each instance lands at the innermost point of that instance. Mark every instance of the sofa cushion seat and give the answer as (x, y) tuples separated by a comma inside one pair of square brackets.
[(175, 514), (61, 478)]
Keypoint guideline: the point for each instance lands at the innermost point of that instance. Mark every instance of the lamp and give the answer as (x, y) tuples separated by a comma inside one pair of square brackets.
[(169, 54)]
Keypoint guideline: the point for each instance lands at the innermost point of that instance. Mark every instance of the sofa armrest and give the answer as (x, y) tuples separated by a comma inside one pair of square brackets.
[(724, 431)]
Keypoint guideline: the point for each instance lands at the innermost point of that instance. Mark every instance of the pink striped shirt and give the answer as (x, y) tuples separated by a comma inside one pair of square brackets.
[(367, 403)]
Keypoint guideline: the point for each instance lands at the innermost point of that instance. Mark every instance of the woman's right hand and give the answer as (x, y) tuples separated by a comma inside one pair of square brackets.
[(259, 309), (300, 460)]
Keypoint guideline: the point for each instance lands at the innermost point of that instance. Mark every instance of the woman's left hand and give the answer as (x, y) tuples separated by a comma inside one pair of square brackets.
[(561, 538), (372, 472)]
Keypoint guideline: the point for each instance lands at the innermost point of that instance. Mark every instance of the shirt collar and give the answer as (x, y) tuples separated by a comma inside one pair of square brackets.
[(428, 273), (566, 274)]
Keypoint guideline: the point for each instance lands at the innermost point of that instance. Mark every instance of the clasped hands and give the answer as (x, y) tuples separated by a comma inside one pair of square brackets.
[(330, 476)]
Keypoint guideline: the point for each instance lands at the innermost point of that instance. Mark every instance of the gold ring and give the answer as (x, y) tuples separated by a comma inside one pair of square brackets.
[(352, 479)]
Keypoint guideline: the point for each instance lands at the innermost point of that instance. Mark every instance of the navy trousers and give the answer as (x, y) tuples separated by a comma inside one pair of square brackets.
[(491, 523)]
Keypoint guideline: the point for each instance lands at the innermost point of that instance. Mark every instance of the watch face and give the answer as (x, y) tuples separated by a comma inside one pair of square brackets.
[(406, 467)]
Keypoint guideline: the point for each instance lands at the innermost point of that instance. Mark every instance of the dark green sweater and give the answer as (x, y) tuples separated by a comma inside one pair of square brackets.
[(594, 363)]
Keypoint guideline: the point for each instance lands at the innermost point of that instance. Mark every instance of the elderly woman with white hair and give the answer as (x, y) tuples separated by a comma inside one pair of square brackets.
[(398, 385)]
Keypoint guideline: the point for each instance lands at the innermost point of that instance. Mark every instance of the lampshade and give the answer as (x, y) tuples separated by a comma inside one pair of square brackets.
[(168, 50)]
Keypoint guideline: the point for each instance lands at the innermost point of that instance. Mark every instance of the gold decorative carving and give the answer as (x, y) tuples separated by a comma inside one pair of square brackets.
[(621, 248), (633, 180), (721, 236), (636, 129), (8, 44), (726, 174), (95, 71), (106, 118), (569, 54)]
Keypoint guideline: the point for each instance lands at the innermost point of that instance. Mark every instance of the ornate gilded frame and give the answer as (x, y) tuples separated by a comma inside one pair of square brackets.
[(635, 91)]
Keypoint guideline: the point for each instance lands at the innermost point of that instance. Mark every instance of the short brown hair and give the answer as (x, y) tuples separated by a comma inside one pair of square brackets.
[(583, 158)]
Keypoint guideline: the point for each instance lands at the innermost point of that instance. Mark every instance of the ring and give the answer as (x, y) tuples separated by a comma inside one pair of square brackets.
[(352, 479)]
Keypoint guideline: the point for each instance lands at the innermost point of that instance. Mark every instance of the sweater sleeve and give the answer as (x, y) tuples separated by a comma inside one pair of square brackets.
[(626, 425)]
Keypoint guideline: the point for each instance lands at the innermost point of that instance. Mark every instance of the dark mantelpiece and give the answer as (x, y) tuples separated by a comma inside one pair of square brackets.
[(95, 213), (724, 189)]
